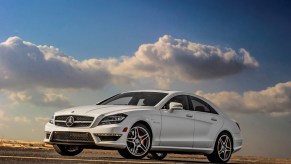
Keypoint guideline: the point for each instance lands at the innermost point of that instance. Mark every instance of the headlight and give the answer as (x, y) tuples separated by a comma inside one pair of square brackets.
[(113, 119), (51, 120)]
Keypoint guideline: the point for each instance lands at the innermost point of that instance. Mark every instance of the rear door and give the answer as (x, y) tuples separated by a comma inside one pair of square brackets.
[(207, 123)]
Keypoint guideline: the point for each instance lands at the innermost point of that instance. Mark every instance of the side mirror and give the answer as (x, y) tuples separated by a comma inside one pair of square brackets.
[(175, 106)]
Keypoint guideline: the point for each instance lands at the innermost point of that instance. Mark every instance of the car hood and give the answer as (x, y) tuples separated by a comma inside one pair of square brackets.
[(95, 110)]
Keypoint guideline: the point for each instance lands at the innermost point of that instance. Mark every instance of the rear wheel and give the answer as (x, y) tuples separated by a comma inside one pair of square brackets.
[(156, 155), (138, 142), (222, 150), (68, 150)]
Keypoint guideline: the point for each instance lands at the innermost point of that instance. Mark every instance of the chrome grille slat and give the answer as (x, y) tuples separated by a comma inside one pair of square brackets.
[(83, 122), (79, 121)]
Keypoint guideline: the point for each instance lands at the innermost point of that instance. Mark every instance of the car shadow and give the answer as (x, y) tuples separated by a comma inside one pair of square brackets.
[(182, 161)]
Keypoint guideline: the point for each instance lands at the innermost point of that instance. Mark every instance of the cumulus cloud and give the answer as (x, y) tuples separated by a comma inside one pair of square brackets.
[(2, 116), (180, 59), (41, 119), (54, 99), (41, 97), (275, 100), (3, 126), (17, 97), (25, 65), (22, 119)]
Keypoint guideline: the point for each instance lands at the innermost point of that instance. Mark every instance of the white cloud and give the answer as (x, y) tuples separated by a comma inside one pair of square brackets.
[(275, 100), (34, 73), (180, 59), (25, 65), (18, 96), (3, 118), (41, 119), (22, 119), (40, 97), (51, 98), (2, 115), (279, 114), (3, 126)]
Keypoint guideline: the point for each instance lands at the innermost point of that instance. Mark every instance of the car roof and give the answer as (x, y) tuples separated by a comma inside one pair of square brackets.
[(154, 90)]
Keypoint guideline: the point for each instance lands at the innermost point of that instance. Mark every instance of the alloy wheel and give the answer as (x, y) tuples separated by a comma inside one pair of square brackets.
[(138, 141), (224, 147)]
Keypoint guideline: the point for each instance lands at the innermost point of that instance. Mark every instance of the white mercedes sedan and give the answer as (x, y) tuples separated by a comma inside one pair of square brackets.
[(148, 123)]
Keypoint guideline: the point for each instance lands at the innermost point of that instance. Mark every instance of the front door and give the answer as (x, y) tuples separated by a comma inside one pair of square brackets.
[(178, 126)]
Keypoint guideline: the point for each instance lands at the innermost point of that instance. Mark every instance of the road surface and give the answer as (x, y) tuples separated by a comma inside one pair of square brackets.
[(11, 155), (15, 155)]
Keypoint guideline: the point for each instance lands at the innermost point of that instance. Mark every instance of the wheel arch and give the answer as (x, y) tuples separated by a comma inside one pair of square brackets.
[(145, 124), (126, 153), (230, 135)]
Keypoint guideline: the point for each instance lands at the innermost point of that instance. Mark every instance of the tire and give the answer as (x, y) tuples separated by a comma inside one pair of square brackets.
[(138, 142), (156, 155), (68, 150), (222, 150)]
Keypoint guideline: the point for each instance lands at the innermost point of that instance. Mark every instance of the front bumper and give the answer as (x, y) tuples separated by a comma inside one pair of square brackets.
[(111, 136)]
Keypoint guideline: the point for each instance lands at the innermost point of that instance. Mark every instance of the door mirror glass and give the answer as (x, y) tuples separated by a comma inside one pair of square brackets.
[(175, 106)]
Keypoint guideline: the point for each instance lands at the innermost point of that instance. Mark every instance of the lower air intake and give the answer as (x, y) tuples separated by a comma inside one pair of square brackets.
[(80, 137)]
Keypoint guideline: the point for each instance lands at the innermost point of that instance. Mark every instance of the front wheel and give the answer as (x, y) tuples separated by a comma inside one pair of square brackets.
[(138, 142), (68, 150), (222, 150), (156, 155)]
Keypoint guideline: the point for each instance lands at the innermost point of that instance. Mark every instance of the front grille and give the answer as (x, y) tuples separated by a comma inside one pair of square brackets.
[(72, 137), (79, 121)]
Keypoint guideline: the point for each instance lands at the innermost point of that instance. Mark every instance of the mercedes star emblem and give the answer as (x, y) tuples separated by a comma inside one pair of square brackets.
[(70, 121)]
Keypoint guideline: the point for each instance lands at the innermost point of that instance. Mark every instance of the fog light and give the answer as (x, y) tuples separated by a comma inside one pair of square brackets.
[(108, 136), (47, 135)]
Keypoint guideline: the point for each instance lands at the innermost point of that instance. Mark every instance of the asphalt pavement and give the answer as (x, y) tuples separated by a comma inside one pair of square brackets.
[(27, 155)]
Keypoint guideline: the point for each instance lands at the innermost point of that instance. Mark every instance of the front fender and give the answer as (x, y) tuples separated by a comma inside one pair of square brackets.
[(151, 118)]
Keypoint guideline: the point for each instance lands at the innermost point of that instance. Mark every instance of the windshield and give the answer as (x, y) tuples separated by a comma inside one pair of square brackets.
[(135, 98)]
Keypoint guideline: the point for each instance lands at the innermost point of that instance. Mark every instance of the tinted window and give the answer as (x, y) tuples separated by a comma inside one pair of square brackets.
[(120, 101), (179, 99), (199, 105), (135, 98)]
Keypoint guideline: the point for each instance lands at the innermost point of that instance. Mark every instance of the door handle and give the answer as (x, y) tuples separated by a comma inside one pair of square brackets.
[(213, 119), (189, 115)]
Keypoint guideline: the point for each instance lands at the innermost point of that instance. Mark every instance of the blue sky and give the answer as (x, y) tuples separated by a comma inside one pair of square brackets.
[(114, 28), (111, 29)]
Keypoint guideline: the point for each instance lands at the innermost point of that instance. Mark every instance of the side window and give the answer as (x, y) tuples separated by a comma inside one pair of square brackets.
[(180, 99), (199, 105)]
